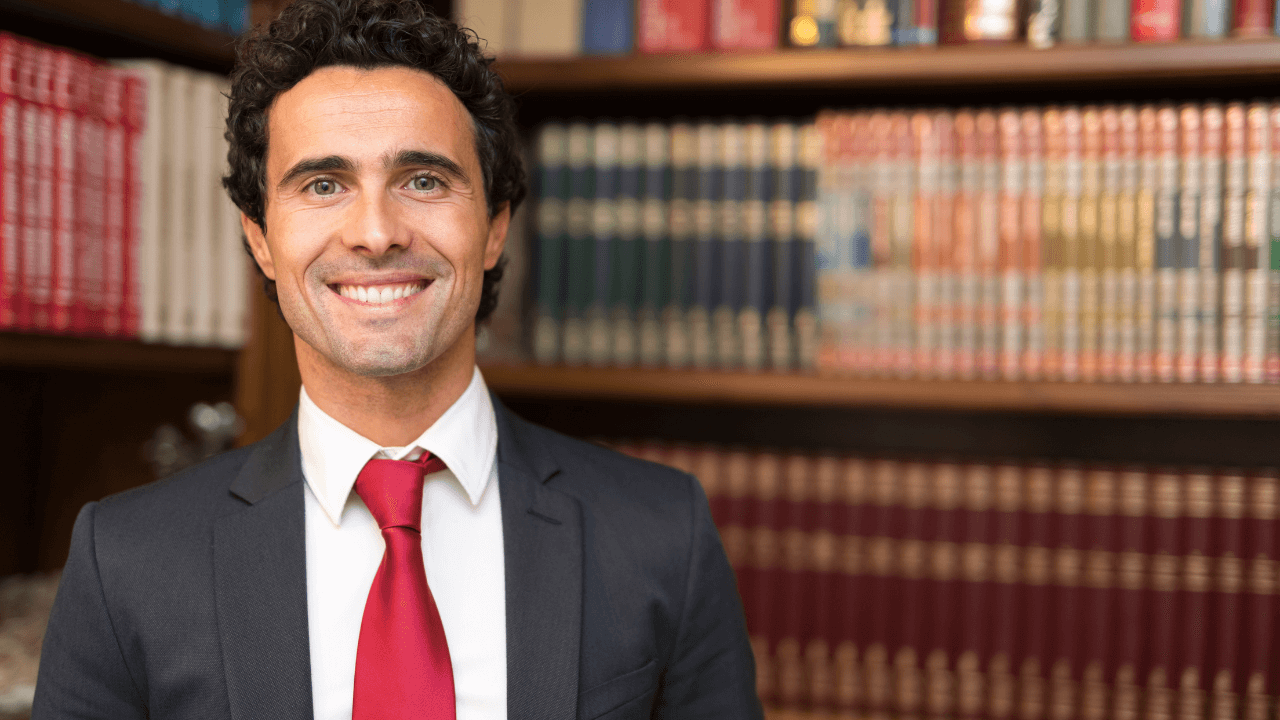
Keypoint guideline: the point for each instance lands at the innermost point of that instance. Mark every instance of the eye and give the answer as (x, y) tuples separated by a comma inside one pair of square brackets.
[(324, 187), (424, 183)]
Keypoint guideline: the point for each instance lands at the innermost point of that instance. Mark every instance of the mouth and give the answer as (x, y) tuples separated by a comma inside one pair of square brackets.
[(380, 294)]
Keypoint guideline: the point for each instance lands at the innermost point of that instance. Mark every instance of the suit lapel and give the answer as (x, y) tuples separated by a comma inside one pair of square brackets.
[(260, 579), (542, 541)]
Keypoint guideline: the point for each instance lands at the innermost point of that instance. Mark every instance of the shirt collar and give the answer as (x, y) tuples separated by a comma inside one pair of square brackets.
[(465, 438)]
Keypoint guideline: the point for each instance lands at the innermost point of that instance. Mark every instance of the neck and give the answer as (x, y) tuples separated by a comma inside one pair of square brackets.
[(391, 411)]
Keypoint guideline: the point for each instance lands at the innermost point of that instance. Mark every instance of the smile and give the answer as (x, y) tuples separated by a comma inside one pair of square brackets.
[(379, 294)]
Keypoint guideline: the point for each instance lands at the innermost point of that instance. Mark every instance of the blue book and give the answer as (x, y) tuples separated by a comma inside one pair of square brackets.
[(684, 192), (784, 194), (655, 270), (233, 16), (580, 260), (706, 261), (755, 237), (730, 230), (607, 27), (1167, 213), (552, 197), (604, 230), (628, 249), (804, 319)]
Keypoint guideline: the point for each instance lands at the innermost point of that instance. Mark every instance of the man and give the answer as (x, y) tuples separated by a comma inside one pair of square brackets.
[(403, 547)]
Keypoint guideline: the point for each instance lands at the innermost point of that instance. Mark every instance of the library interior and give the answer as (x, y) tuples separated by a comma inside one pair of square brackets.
[(965, 314)]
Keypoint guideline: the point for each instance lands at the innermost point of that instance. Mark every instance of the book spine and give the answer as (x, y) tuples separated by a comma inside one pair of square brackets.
[(11, 175), (1036, 572), (1129, 318), (1145, 259), (1211, 185), (1100, 544), (204, 160), (1109, 306), (1163, 621), (628, 256), (1090, 252), (604, 239), (755, 300), (1078, 17), (579, 255), (864, 23), (1131, 594), (1069, 601), (1111, 21), (771, 589), (665, 26), (803, 316), (1206, 19), (1187, 251), (1051, 224), (1233, 231), (737, 517), (1073, 243), (902, 233), (146, 82), (820, 551), (1013, 188), (969, 21), (854, 586), (1155, 20), (684, 189), (1270, 252), (656, 254), (1166, 227), (177, 315), (1044, 23), (1259, 601), (924, 150), (959, 278), (831, 216), (730, 263), (1032, 237), (37, 255), (944, 581), (1263, 191), (749, 25), (860, 337), (1196, 582), (233, 312), (911, 630), (884, 593), (988, 245), (973, 646), (1000, 698), (65, 99), (607, 27), (706, 255), (1252, 19), (783, 196), (881, 171), (552, 193), (944, 239), (90, 199), (1230, 491), (116, 202)]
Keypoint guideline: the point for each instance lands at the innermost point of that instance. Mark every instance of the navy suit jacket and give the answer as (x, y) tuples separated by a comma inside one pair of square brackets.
[(187, 598)]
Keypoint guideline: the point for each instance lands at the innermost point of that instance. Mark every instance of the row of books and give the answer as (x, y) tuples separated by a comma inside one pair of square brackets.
[(1114, 243), (681, 245), (882, 587), (229, 16), (113, 220), (566, 28)]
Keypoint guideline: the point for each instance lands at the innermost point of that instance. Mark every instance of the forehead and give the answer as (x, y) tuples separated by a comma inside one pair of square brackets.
[(343, 110)]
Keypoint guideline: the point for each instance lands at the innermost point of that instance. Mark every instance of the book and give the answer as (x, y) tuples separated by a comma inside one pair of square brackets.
[(1155, 20), (1233, 231), (1187, 250), (1078, 20), (755, 299), (1032, 246), (1194, 584), (1164, 622), (1067, 579), (977, 21), (206, 143), (1006, 624), (684, 189), (972, 647), (606, 156), (926, 154), (546, 29), (1090, 243), (1073, 244), (1252, 18), (784, 171), (11, 179), (865, 23), (1130, 309), (655, 276), (1227, 594), (1100, 545), (1052, 257), (1269, 253), (664, 26), (579, 256), (706, 255), (1212, 125), (69, 103), (232, 330), (491, 20), (1166, 251), (833, 228), (1146, 250), (988, 246), (1035, 573), (38, 191), (916, 23), (607, 27), (1014, 288), (883, 291), (1111, 21), (626, 262), (803, 317), (90, 199), (958, 265), (1263, 120), (1207, 19), (151, 172), (1259, 600), (1109, 304), (730, 246), (116, 202), (1131, 564), (902, 190), (179, 273), (552, 188), (745, 24)]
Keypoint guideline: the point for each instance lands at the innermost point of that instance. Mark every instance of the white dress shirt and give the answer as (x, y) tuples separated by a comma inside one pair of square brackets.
[(461, 548)]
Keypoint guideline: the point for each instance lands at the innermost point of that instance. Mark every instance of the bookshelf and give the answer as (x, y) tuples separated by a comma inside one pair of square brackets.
[(110, 355)]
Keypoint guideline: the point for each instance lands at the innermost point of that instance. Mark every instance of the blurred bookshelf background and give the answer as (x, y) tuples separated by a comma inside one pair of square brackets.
[(965, 312)]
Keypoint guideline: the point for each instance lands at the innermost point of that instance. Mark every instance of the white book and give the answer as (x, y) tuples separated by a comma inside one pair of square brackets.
[(150, 264), (178, 191), (550, 28), (232, 298), (493, 21), (203, 266)]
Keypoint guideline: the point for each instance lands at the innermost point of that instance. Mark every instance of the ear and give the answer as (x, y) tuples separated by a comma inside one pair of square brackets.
[(497, 240), (258, 244)]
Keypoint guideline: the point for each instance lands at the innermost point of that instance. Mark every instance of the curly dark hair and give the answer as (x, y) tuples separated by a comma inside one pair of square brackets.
[(368, 34)]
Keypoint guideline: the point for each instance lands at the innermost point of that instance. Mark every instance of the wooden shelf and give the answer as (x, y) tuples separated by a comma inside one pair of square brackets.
[(104, 354), (1007, 65), (100, 26), (687, 387)]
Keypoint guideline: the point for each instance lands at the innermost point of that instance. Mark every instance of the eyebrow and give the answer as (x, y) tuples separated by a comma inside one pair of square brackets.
[(328, 163), (404, 158)]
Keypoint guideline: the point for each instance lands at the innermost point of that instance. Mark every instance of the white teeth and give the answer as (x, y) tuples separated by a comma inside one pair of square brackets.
[(381, 294), (387, 295), (362, 293), (398, 293)]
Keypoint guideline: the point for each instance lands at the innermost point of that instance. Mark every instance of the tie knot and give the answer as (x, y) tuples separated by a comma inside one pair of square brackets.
[(392, 490)]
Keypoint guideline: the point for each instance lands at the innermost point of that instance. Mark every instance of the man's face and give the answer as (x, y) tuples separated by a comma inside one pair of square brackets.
[(377, 231)]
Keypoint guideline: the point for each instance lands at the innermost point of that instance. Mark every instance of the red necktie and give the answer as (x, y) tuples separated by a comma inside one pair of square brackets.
[(402, 662)]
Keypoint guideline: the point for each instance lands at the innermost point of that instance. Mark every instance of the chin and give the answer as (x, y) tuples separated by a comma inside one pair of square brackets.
[(384, 361)]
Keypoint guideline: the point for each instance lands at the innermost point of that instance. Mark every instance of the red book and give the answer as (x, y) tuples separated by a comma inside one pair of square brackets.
[(1037, 566), (911, 622), (1228, 594), (115, 203), (826, 509), (978, 542), (37, 195), (11, 158), (883, 594), (852, 591), (1007, 534), (789, 585), (942, 584), (134, 120), (1068, 603), (91, 201), (1260, 588), (733, 516), (1253, 19), (745, 24), (1197, 526), (68, 87), (760, 581), (1155, 20), (1099, 592), (1163, 623), (664, 26), (1131, 595)]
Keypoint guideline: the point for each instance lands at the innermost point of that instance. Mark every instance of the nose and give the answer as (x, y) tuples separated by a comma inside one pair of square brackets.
[(373, 227)]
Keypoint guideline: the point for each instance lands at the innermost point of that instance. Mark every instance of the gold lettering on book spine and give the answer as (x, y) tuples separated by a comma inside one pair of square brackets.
[(736, 544), (978, 488), (1039, 489), (907, 682), (1006, 564), (851, 554), (764, 665), (824, 551), (1256, 701), (798, 552), (1164, 572), (1198, 498), (1000, 704), (1068, 567), (970, 688), (737, 474), (911, 558), (1093, 693), (1159, 697), (1222, 706), (1230, 573), (1196, 575), (1263, 497), (764, 548), (1133, 567), (856, 481), (799, 479), (1190, 696), (847, 679), (1098, 569), (881, 555), (916, 485), (1062, 703), (884, 483), (1126, 695), (976, 562), (939, 685), (1008, 488), (768, 475), (876, 668), (1030, 691), (1100, 492), (1036, 565), (1133, 493), (1231, 492), (819, 673), (826, 479), (1262, 575), (1070, 490), (1168, 500), (790, 672)]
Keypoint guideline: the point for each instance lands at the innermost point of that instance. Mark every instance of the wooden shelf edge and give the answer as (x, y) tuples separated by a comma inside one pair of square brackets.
[(853, 67), (113, 355), (146, 26), (765, 389)]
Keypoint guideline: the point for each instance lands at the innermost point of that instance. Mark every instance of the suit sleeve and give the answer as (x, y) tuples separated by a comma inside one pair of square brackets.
[(83, 675), (711, 672)]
